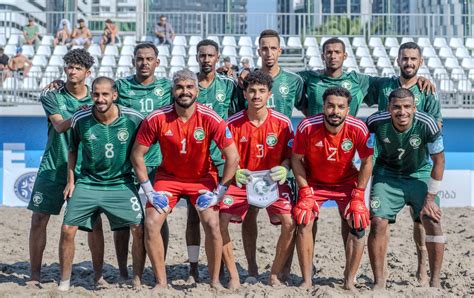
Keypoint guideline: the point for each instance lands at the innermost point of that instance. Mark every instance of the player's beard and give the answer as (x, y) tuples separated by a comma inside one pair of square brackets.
[(206, 69), (327, 120), (184, 105), (408, 76)]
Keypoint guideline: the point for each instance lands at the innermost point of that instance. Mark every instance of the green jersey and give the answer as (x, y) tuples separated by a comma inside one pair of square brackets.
[(219, 96), (404, 154), (54, 162), (380, 90), (105, 147), (287, 92), (145, 99), (316, 82)]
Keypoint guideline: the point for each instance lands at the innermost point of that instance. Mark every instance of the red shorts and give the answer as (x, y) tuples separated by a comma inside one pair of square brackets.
[(340, 194), (179, 189), (235, 203)]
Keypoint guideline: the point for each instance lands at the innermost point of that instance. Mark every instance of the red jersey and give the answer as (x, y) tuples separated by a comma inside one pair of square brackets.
[(328, 157), (263, 147), (184, 145)]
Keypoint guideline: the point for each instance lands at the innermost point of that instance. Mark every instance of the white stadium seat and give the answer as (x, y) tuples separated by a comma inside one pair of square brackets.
[(194, 40), (471, 74), (358, 42), (441, 74), (470, 43), (384, 62), (95, 50), (406, 39), (451, 63), (362, 52), (434, 62), (56, 61), (229, 41), (192, 61), (424, 42), (456, 42), (106, 71), (428, 52), (180, 40), (108, 61), (44, 51), (163, 51), (350, 62), (388, 72), (446, 86), (111, 50), (194, 69), (192, 51), (28, 50), (379, 52), (175, 69), (294, 42), (40, 61), (393, 52), (10, 84), (424, 70), (462, 53), (439, 42), (445, 52), (391, 42), (163, 61), (214, 38), (375, 42), (14, 40), (371, 71), (29, 84), (129, 40), (313, 52), (3, 40), (245, 41), (246, 51), (178, 51), (127, 50), (60, 50), (47, 40), (10, 50), (366, 62), (36, 72), (310, 42), (122, 71), (228, 51), (458, 74), (467, 63), (125, 61), (52, 72), (177, 61), (314, 62), (465, 86)]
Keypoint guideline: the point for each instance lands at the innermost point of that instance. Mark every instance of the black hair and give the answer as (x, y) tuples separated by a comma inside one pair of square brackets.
[(337, 91), (145, 45), (269, 33), (79, 56), (102, 79), (258, 77), (401, 93), (409, 45), (334, 40), (207, 42)]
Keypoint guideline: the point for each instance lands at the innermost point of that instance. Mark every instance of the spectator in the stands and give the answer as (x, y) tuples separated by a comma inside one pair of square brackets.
[(245, 63), (110, 34), (63, 36), (31, 32), (19, 63), (164, 32), (81, 36), (228, 68), (3, 63)]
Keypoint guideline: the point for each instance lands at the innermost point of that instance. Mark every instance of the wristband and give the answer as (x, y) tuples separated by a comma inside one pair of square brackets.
[(220, 190), (433, 186), (146, 186)]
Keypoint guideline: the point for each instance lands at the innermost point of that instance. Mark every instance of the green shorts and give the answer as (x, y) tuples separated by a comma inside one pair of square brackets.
[(389, 195), (121, 206), (47, 196)]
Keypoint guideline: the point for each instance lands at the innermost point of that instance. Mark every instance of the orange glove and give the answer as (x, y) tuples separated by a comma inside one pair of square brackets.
[(306, 208), (357, 209)]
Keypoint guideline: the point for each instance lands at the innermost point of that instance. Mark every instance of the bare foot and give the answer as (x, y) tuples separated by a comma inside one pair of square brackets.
[(422, 276), (33, 284), (435, 283), (216, 285), (101, 283), (251, 280), (350, 287), (158, 289), (306, 285), (136, 283), (274, 281), (64, 286), (379, 286), (233, 284)]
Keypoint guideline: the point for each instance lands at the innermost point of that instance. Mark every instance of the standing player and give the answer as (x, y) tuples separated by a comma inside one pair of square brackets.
[(409, 60), (403, 176), (184, 131), (264, 138), (144, 93), (217, 92), (324, 147), (47, 198), (105, 132)]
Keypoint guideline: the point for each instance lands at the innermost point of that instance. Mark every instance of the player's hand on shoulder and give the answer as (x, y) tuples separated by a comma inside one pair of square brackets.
[(356, 213), (54, 85), (306, 208), (242, 177), (278, 174)]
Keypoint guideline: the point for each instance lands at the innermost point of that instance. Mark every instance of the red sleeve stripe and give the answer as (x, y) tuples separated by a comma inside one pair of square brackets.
[(310, 121), (236, 116), (359, 124), (283, 118), (207, 111), (163, 110)]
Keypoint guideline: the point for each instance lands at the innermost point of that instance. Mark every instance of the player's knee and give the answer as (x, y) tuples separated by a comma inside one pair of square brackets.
[(288, 225), (39, 220), (359, 234), (68, 232), (304, 230), (378, 225), (137, 231)]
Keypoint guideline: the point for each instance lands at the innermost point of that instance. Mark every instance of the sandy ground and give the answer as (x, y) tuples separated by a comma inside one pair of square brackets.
[(457, 273)]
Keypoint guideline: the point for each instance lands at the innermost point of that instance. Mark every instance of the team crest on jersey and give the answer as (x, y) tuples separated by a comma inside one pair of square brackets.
[(228, 200), (199, 134), (220, 96), (24, 186), (375, 203), (284, 89), (272, 139), (346, 84), (415, 141), (347, 145), (37, 198), (417, 100), (123, 135), (159, 91)]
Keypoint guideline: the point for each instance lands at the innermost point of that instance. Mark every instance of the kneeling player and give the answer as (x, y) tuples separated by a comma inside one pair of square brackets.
[(184, 131), (325, 145), (106, 132), (264, 138), (403, 176)]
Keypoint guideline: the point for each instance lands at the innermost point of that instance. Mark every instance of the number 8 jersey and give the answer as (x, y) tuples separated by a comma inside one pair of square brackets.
[(105, 147), (328, 157)]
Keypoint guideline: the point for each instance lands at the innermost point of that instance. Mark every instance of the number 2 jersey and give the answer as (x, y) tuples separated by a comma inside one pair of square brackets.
[(184, 145), (328, 157), (105, 147), (263, 147)]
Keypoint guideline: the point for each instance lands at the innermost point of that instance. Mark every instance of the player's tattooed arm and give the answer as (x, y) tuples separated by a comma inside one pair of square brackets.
[(137, 157), (430, 208), (59, 123), (231, 157), (71, 165)]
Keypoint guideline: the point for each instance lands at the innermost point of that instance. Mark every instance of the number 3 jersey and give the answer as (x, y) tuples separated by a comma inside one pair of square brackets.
[(105, 147), (328, 157), (184, 145), (263, 147)]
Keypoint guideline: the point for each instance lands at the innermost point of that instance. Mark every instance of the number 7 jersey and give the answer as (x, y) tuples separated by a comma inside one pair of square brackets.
[(328, 157)]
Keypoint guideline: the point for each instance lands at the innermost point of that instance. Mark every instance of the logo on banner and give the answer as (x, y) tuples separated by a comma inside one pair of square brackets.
[(24, 186)]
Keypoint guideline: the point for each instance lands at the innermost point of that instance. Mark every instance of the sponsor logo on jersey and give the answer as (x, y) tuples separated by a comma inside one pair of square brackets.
[(169, 133), (371, 141), (415, 141), (131, 92), (159, 91), (346, 84), (284, 89), (319, 144), (272, 140), (375, 203), (347, 145), (290, 143), (243, 139), (123, 135), (386, 141), (228, 200), (24, 186), (199, 134), (220, 96), (37, 198), (208, 104), (92, 137), (228, 134)]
